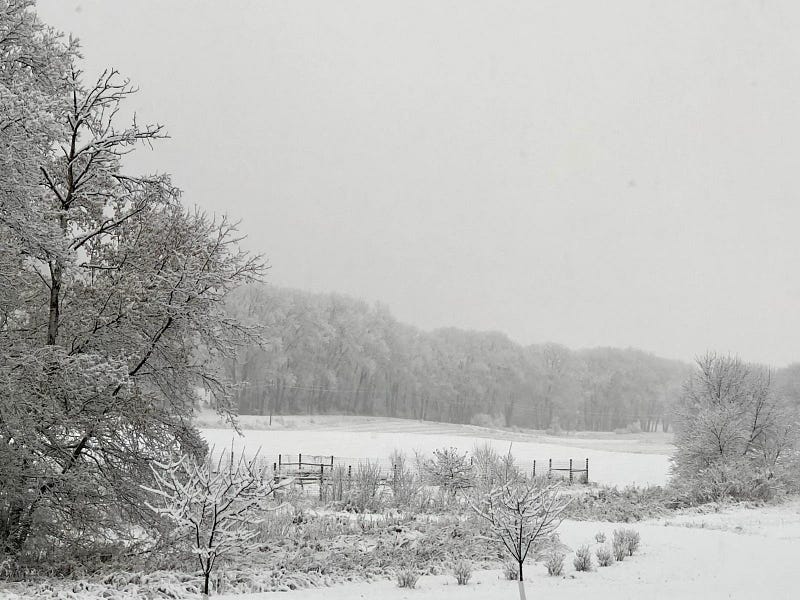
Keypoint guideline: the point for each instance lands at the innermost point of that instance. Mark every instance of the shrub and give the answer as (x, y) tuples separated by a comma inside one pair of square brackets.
[(583, 559), (405, 482), (450, 470), (619, 545), (621, 506), (632, 538), (555, 563), (407, 578), (600, 537), (462, 571), (605, 557), (364, 492), (626, 542), (737, 479), (491, 469), (511, 571)]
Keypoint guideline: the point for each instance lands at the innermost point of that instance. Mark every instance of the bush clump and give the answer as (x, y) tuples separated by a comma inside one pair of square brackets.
[(583, 559), (407, 578), (600, 537), (605, 558), (626, 542), (555, 563), (511, 571), (622, 506), (462, 571)]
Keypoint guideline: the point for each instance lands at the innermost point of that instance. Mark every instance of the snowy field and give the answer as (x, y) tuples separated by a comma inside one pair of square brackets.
[(620, 461), (737, 553), (743, 554)]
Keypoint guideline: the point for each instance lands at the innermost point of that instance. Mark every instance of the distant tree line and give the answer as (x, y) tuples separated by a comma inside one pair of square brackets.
[(326, 353)]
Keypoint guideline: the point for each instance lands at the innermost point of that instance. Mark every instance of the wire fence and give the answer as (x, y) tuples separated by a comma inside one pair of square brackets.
[(315, 469)]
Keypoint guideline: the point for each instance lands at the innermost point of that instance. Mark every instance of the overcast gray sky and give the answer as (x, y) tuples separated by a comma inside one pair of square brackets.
[(617, 173)]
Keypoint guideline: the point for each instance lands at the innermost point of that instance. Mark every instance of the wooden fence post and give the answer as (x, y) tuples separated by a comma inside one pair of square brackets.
[(321, 480), (587, 470), (550, 468), (534, 467), (299, 461), (570, 471), (279, 463)]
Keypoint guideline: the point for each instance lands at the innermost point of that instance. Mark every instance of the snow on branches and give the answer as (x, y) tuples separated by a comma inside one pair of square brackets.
[(214, 503), (522, 513), (112, 300)]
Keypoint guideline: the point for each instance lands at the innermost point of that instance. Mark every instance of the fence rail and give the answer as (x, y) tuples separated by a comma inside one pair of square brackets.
[(317, 469)]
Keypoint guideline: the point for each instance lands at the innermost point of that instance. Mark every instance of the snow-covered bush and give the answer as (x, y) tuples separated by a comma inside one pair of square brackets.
[(407, 578), (628, 541), (490, 469), (405, 481), (555, 563), (600, 537), (605, 557), (336, 486), (511, 570), (619, 544), (583, 559), (364, 493), (450, 470), (621, 505), (462, 571)]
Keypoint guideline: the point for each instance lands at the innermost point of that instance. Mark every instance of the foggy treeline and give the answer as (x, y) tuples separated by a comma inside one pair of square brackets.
[(326, 353)]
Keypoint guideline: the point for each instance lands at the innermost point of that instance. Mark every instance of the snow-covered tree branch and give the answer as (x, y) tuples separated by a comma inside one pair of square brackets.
[(214, 503), (109, 285), (521, 514)]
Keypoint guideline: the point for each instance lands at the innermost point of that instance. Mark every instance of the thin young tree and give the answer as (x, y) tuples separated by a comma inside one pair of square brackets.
[(213, 504), (521, 514)]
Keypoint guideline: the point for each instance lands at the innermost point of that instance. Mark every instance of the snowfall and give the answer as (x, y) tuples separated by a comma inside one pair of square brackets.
[(736, 553), (708, 553), (741, 553)]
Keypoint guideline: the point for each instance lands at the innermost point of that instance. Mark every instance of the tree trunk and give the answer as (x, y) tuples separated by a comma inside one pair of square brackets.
[(55, 299), (521, 589)]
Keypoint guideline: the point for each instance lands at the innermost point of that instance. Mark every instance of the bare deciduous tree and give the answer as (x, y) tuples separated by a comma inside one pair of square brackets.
[(732, 432), (213, 503), (522, 514), (108, 287)]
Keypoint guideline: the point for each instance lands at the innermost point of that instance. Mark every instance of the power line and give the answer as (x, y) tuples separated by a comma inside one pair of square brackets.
[(518, 409)]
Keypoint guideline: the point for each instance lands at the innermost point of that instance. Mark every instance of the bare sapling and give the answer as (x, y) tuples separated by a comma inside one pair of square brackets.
[(521, 514), (214, 504)]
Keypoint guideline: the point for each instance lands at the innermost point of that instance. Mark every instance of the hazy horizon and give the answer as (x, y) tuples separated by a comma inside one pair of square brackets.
[(624, 179)]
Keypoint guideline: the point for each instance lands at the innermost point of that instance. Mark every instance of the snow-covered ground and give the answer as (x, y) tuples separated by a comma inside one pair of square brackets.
[(744, 554), (738, 553), (612, 461)]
